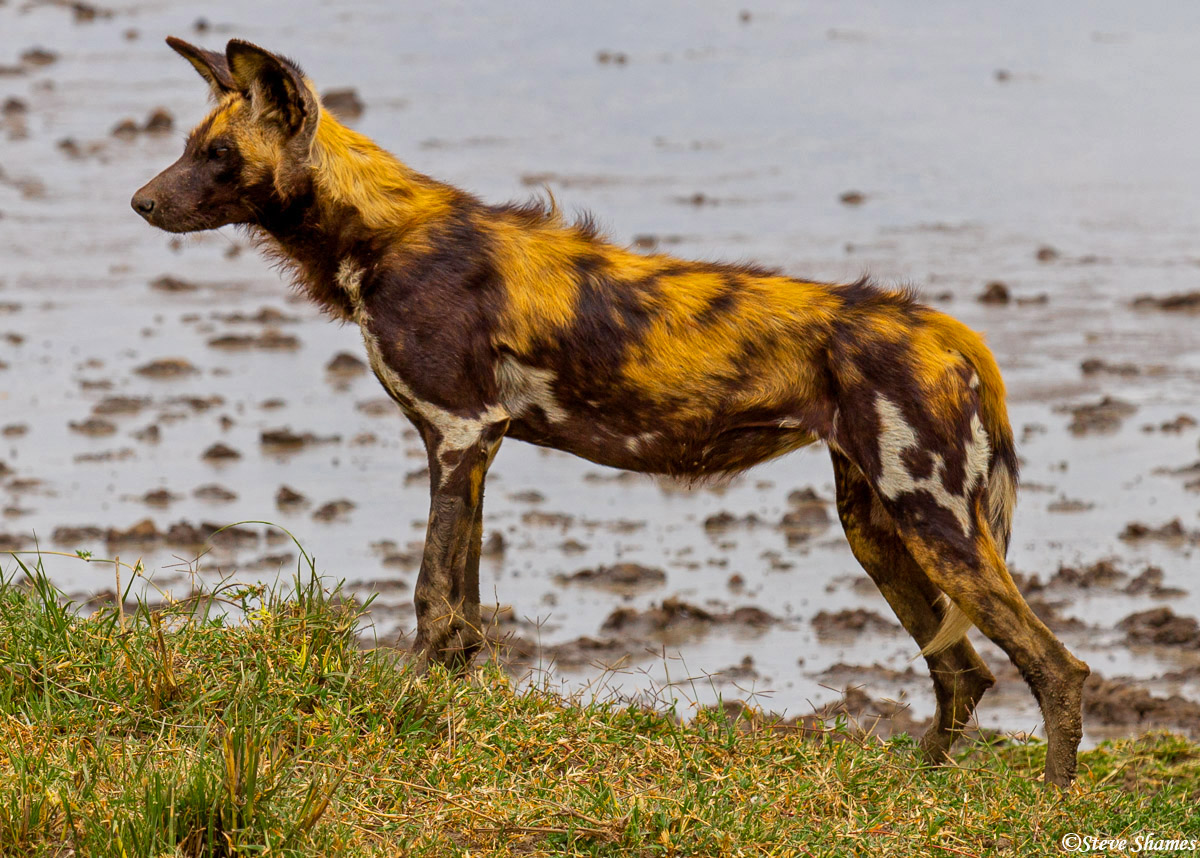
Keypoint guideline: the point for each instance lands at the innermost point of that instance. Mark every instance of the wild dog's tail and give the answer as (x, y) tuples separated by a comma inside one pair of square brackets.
[(1001, 494)]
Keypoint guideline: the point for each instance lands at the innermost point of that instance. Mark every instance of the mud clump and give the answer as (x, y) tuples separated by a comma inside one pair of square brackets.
[(807, 517), (39, 57), (1181, 423), (214, 492), (167, 283), (345, 364), (167, 368), (1104, 416), (1102, 574), (1050, 613), (143, 533), (594, 652), (285, 440), (343, 103), (378, 407), (289, 498), (150, 434), (93, 426), (537, 518), (68, 535), (1097, 366), (417, 476), (269, 340), (616, 58), (183, 534), (878, 672), (867, 716), (995, 293), (1118, 703), (528, 496), (85, 13), (494, 545), (334, 510), (219, 452), (852, 198), (120, 405), (1067, 505), (12, 542), (1161, 626), (159, 497), (160, 121), (741, 672), (271, 562), (1150, 582), (620, 577), (1186, 302), (849, 622), (198, 404), (725, 520), (1172, 531), (675, 618), (126, 129), (263, 316)]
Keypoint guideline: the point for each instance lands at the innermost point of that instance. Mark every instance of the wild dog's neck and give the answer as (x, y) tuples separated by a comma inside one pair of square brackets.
[(358, 196), (351, 172)]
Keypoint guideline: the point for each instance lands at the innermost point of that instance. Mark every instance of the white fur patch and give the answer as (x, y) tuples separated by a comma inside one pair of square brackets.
[(458, 433), (1002, 498), (637, 443), (524, 387), (349, 280), (896, 436)]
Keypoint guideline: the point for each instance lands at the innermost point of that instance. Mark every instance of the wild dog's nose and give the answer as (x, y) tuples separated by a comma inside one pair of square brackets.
[(142, 205)]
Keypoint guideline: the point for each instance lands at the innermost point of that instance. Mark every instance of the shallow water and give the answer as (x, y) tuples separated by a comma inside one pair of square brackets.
[(1086, 146)]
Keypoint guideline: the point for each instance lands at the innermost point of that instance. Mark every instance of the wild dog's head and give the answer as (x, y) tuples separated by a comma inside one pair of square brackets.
[(249, 156)]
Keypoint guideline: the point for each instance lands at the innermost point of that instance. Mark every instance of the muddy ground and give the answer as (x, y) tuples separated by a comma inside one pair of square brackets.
[(1030, 168)]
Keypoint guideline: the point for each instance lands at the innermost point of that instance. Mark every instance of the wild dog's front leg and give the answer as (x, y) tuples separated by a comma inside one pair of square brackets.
[(447, 592)]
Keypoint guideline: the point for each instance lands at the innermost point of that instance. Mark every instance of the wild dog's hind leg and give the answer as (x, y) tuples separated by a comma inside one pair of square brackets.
[(447, 592), (977, 580), (960, 677), (931, 475)]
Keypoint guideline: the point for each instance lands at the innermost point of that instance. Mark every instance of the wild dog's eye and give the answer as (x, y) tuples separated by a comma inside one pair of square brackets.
[(216, 153)]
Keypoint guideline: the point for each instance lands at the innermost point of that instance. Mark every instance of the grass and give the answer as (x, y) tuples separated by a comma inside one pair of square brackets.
[(178, 731)]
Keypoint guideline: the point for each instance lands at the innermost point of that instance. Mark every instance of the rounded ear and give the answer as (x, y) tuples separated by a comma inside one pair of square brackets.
[(212, 66), (274, 85)]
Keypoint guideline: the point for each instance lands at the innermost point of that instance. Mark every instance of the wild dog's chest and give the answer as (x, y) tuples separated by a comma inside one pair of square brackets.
[(349, 279), (395, 385), (404, 369)]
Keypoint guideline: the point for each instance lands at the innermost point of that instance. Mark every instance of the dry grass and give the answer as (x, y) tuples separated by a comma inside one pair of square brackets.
[(177, 731)]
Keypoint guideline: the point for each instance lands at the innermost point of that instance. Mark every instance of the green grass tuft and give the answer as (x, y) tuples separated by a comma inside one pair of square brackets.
[(177, 730)]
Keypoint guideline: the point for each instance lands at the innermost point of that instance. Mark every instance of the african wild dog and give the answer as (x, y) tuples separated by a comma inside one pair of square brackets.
[(486, 321)]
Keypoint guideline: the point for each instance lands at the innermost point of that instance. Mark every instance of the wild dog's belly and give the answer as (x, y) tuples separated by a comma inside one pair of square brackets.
[(692, 450), (618, 427)]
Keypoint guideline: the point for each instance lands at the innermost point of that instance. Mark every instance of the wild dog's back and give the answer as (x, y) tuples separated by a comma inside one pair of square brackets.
[(651, 362)]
